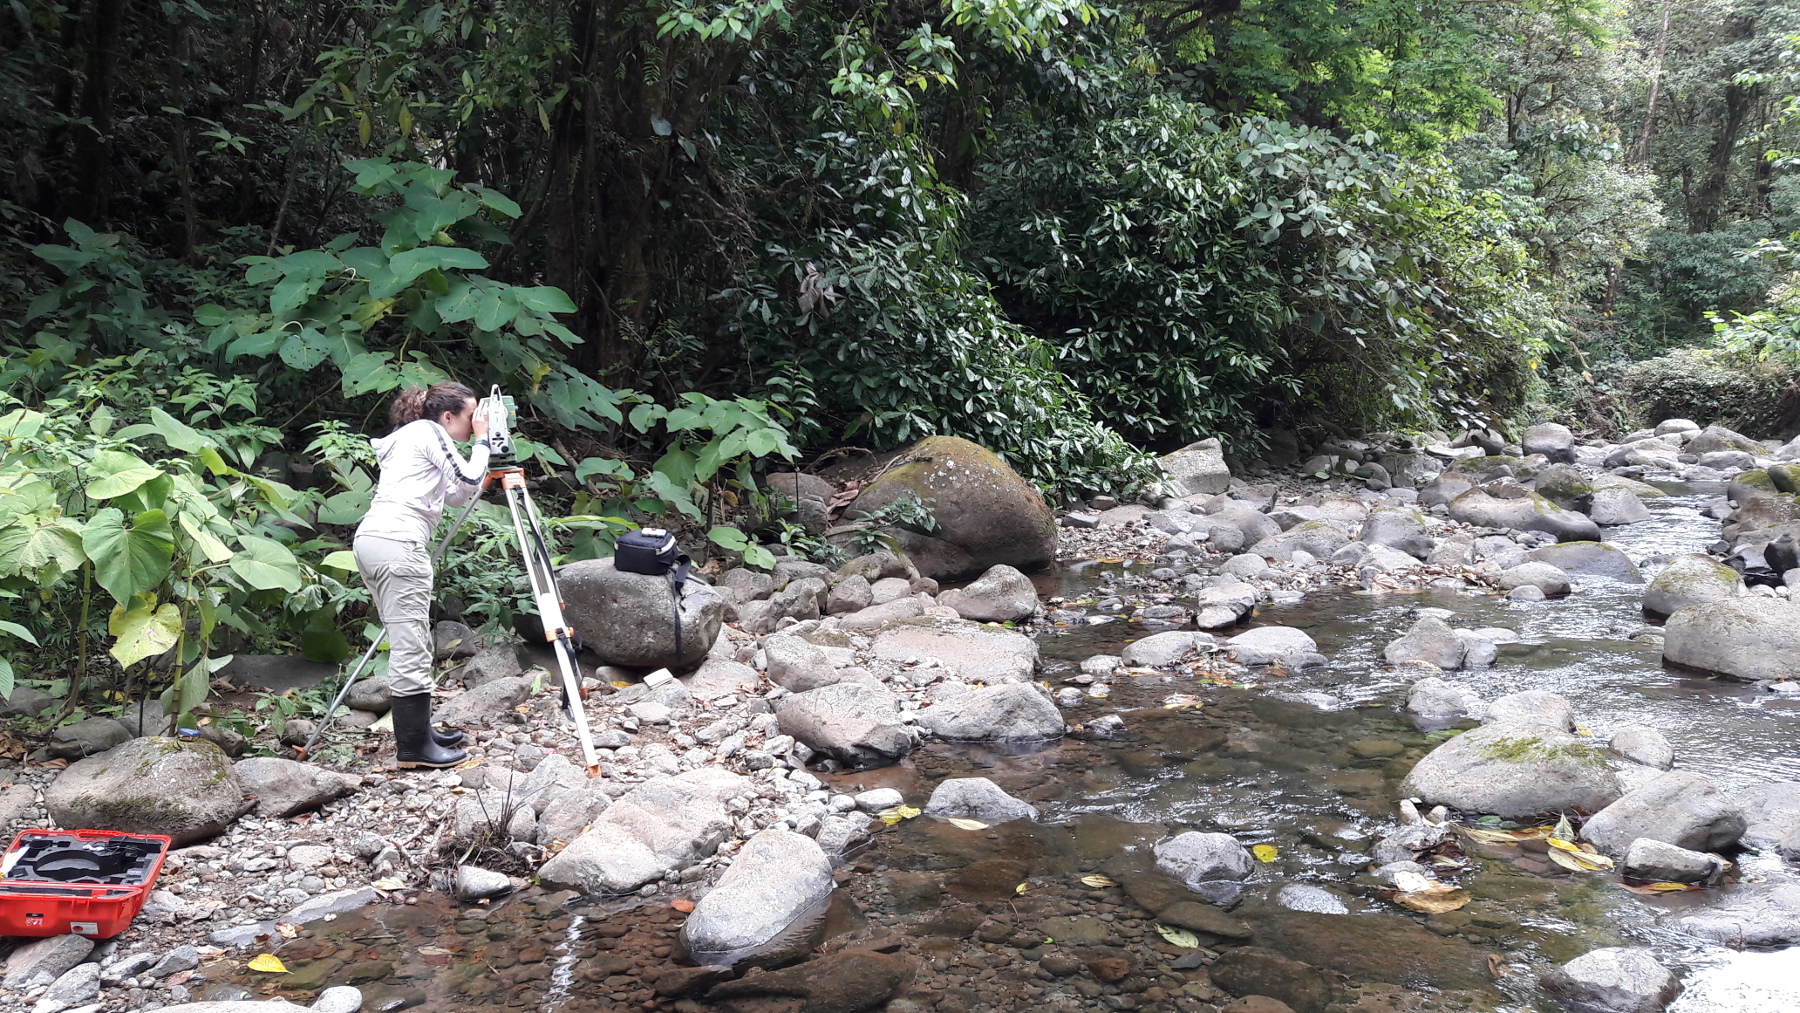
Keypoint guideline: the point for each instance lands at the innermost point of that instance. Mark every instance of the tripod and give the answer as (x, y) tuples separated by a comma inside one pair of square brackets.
[(529, 529)]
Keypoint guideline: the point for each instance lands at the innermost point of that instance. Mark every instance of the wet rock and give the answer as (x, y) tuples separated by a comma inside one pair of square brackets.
[(285, 787), (1001, 595), (1514, 770), (798, 665), (1550, 439), (1771, 813), (1750, 914), (1645, 745), (1595, 559), (1160, 650), (876, 799), (1257, 1004), (1614, 980), (181, 958), (1529, 512), (1527, 592), (1196, 858), (1251, 970), (1269, 644), (1564, 485), (1204, 918), (1198, 468), (87, 737), (1017, 712), (1398, 527), (777, 876), (1405, 843), (1310, 899), (1749, 638), (1439, 701), (42, 961), (1546, 578), (236, 1006), (977, 798), (492, 701), (856, 723), (839, 834), (849, 982), (475, 883), (1678, 807), (1657, 862), (339, 999), (1616, 506), (151, 785), (1533, 706), (659, 826), (1691, 580), (630, 618), (975, 653), (1430, 640)]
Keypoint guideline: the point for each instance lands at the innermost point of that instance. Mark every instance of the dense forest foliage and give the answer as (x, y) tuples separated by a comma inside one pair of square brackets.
[(697, 239)]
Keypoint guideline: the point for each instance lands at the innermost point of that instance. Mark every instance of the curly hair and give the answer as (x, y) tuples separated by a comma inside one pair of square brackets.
[(415, 403)]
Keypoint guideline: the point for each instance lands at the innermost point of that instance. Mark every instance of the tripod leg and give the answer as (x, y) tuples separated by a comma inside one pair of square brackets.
[(355, 673)]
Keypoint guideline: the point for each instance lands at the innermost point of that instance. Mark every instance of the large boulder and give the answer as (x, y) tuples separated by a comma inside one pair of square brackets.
[(285, 787), (1678, 807), (1430, 640), (975, 653), (1550, 439), (1716, 438), (1196, 858), (1529, 512), (797, 664), (1617, 979), (1589, 559), (977, 798), (630, 618), (1749, 914), (804, 499), (152, 785), (857, 723), (776, 877), (985, 513), (1691, 580), (1564, 485), (1398, 527), (1514, 770), (1001, 595), (1771, 813), (1748, 638), (1016, 712), (1198, 468), (659, 826), (1533, 706), (1617, 506)]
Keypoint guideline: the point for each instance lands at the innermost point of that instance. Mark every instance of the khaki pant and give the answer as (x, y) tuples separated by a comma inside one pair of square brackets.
[(398, 576)]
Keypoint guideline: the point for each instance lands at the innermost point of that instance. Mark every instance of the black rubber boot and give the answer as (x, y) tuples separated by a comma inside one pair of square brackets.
[(447, 737), (414, 745)]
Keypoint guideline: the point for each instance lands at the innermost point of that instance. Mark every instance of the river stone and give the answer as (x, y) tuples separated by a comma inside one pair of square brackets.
[(1533, 706), (1655, 861), (488, 702), (974, 653), (857, 723), (152, 785), (797, 664), (340, 999), (42, 961), (1715, 438), (851, 981), (977, 798), (1643, 744), (1203, 918), (475, 883), (1017, 712), (1691, 580), (1528, 513), (1196, 858), (851, 594), (1198, 468), (1546, 578), (1398, 527), (1749, 638), (1564, 485), (1617, 506), (571, 812), (1440, 702), (1267, 644), (285, 787), (985, 513), (629, 618), (1616, 979), (1677, 807), (1771, 813), (75, 986), (1254, 525), (1750, 914), (1430, 640), (1001, 595), (775, 878), (1514, 770), (1160, 650), (1252, 970), (1551, 439), (658, 827), (1592, 559), (237, 1006)]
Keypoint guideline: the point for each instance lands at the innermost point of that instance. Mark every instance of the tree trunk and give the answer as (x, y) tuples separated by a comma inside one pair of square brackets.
[(87, 199), (1709, 197), (1641, 149)]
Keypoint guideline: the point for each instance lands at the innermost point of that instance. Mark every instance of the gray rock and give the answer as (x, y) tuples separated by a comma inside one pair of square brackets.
[(77, 985), (181, 958), (1441, 702), (973, 652), (1430, 640), (789, 569), (977, 798), (27, 703), (1529, 512), (877, 799), (285, 787), (1246, 566), (1716, 438), (797, 664), (1001, 595), (1677, 807), (630, 618), (838, 835), (1017, 712), (1771, 813), (144, 717), (856, 723), (1749, 638), (1398, 527), (775, 878), (243, 936), (1614, 980), (1645, 745), (338, 999), (751, 585), (1405, 844), (1237, 599), (87, 737), (571, 812), (1160, 650), (1546, 578), (370, 694), (475, 883), (1480, 652), (486, 703), (1550, 439), (151, 785), (339, 902), (661, 825), (498, 662), (1691, 580), (852, 594), (1198, 468), (1659, 862), (1750, 914), (1266, 645), (1526, 592), (1564, 485), (1667, 426), (1514, 770), (1596, 559), (1616, 506), (451, 639), (236, 1006), (1533, 706), (1195, 858), (42, 961)]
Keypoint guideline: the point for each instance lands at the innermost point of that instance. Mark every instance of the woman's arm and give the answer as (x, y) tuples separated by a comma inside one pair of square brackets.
[(464, 477)]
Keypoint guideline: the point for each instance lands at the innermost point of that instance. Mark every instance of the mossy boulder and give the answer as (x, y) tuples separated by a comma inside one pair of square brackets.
[(1530, 512), (1516, 770), (152, 785), (1564, 485), (1784, 477), (1760, 511), (1750, 483), (985, 513), (1589, 559), (1610, 481), (1749, 638), (1690, 580)]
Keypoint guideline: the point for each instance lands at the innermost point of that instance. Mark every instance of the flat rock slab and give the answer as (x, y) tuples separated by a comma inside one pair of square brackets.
[(976, 653), (276, 673)]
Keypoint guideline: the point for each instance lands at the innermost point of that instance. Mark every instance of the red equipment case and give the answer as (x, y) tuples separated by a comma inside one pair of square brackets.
[(40, 905)]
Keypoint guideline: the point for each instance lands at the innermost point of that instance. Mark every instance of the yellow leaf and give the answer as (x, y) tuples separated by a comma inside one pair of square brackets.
[(1264, 852), (268, 962), (1098, 881), (966, 824), (389, 883), (433, 951), (897, 813), (1567, 861), (1667, 887), (1020, 889), (1435, 901), (287, 930), (1582, 854), (1178, 936)]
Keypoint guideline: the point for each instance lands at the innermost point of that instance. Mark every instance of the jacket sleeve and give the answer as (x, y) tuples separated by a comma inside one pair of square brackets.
[(462, 478)]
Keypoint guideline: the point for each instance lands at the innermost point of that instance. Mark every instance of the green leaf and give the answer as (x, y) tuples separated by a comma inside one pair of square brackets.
[(177, 433), (342, 559), (410, 264), (6, 678), (266, 564), (370, 373), (117, 473), (544, 299), (728, 538), (495, 310), (256, 344), (128, 560), (347, 507), (211, 545), (759, 557), (306, 350), (460, 304), (18, 631), (499, 202), (327, 645), (188, 692), (143, 632)]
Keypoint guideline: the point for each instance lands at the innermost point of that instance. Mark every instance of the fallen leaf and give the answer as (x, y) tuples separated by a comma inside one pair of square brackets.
[(1265, 852), (1020, 889), (1652, 889), (1180, 701), (433, 951), (897, 813), (1584, 856), (1436, 901), (1497, 967), (179, 978), (682, 904), (965, 824), (389, 883), (1098, 881), (1563, 831), (287, 930), (1178, 936), (268, 962)]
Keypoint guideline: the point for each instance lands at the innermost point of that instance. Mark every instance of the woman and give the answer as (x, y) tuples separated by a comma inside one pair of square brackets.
[(420, 472)]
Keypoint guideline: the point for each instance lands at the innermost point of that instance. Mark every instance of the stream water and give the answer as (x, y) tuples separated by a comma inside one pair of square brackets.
[(1309, 763)]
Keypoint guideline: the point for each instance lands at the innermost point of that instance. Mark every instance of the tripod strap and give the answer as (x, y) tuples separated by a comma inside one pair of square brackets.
[(677, 578)]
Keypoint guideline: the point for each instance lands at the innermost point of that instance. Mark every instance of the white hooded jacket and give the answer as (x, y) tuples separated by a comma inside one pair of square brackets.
[(420, 473)]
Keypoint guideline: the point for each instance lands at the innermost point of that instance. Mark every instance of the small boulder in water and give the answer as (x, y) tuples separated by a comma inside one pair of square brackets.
[(977, 798), (1196, 858), (1514, 770), (1617, 979), (1430, 640), (1645, 745), (1678, 807), (1660, 862), (1536, 706), (1691, 580), (776, 877)]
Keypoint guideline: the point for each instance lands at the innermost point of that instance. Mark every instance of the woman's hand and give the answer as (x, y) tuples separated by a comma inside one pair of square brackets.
[(478, 425)]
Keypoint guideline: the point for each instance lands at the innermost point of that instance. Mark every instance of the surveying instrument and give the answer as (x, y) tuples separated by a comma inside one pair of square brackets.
[(528, 527)]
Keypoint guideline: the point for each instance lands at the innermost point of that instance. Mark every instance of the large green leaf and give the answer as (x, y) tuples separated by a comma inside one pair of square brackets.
[(211, 545), (177, 433), (128, 559), (117, 473), (543, 298), (410, 264), (266, 564), (6, 677), (143, 632)]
